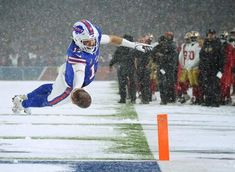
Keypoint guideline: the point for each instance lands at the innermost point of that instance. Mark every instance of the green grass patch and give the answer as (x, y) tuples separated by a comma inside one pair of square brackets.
[(132, 139)]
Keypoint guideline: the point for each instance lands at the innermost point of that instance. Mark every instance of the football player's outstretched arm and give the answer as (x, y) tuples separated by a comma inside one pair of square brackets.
[(116, 40)]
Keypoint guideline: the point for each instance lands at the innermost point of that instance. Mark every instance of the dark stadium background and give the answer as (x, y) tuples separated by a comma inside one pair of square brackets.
[(44, 26)]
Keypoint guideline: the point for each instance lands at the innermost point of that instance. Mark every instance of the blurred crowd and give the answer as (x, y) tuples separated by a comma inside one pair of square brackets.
[(43, 27), (32, 57), (200, 71)]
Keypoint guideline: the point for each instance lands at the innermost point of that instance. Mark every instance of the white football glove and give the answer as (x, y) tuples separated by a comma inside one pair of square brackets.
[(143, 47), (219, 75), (136, 45), (163, 71)]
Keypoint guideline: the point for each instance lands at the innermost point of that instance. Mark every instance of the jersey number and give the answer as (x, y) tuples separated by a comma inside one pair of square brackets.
[(189, 54), (92, 71)]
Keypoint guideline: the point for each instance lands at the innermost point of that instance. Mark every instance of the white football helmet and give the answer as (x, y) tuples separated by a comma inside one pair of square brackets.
[(85, 36)]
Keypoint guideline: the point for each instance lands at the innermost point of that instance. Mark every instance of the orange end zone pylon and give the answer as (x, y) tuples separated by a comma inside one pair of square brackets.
[(163, 143)]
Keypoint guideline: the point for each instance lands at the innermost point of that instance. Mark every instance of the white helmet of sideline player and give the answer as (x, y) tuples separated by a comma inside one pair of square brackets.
[(85, 36)]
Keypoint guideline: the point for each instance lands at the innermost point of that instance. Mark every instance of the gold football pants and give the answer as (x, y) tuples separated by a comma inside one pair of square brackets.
[(189, 75)]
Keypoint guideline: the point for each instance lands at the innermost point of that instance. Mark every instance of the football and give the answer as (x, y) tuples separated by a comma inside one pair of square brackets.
[(81, 98)]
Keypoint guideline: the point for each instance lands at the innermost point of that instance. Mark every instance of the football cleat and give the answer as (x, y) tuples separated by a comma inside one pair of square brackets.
[(17, 105), (184, 98)]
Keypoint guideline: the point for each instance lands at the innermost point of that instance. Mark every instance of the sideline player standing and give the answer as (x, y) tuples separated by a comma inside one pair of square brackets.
[(77, 72), (189, 60), (183, 61)]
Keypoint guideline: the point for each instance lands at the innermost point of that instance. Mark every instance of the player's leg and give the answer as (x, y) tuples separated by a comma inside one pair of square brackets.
[(122, 81), (62, 87), (132, 86), (34, 99), (162, 88), (44, 89), (196, 91), (47, 94), (39, 97), (184, 86)]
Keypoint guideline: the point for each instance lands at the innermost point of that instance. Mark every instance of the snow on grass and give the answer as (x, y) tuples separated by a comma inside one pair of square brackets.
[(200, 138), (106, 130)]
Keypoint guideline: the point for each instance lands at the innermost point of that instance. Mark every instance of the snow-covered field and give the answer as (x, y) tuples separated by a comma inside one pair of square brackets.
[(201, 138)]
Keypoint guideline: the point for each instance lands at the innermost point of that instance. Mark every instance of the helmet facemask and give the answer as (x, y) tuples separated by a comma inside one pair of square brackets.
[(194, 36), (85, 44), (194, 39), (89, 45)]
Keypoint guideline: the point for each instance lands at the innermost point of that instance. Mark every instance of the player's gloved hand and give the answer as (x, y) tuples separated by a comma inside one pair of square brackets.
[(143, 47), (147, 48), (163, 72), (159, 54), (219, 75)]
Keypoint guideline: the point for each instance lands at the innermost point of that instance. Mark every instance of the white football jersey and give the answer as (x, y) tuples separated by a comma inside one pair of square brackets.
[(189, 55)]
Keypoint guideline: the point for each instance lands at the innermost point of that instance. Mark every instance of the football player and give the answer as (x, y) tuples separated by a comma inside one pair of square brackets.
[(78, 70), (189, 59), (183, 59)]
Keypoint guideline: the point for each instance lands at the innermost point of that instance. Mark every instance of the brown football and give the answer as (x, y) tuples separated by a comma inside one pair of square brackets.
[(81, 98)]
